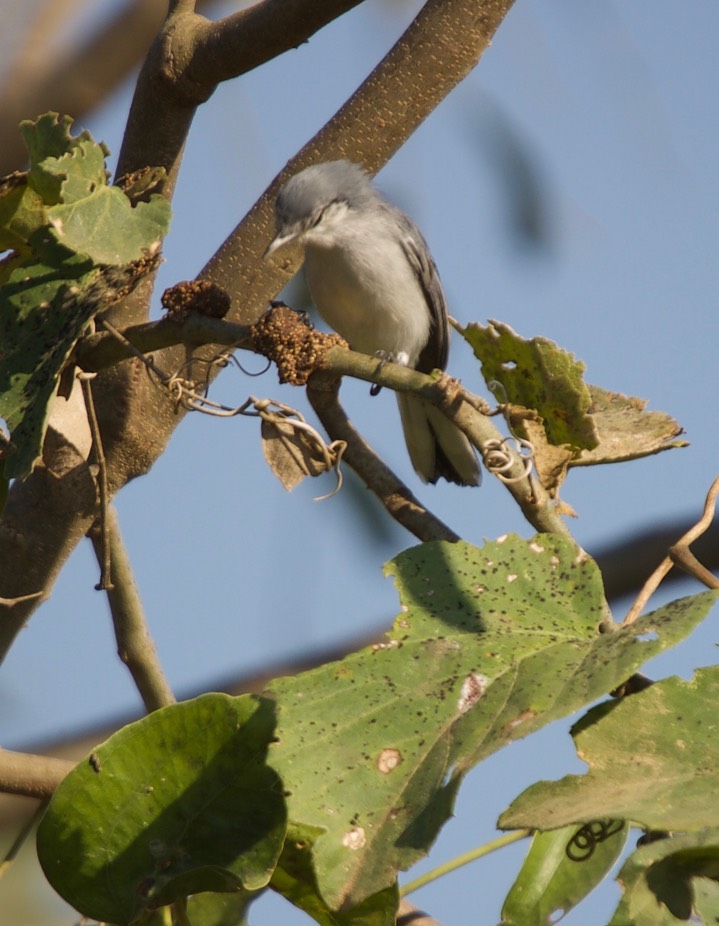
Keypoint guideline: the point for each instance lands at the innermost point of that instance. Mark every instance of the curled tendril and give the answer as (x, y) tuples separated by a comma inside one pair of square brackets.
[(192, 394), (499, 455), (585, 841)]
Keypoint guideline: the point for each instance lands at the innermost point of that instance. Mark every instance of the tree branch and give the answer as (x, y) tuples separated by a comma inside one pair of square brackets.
[(444, 392), (401, 504), (243, 41), (30, 775), (135, 646)]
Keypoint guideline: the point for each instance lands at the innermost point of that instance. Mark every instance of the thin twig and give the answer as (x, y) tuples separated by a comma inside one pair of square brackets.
[(23, 835), (379, 478), (103, 559), (680, 555), (135, 646), (11, 602)]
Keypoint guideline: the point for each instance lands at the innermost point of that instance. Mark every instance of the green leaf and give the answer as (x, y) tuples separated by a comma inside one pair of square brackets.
[(492, 644), (22, 212), (79, 245), (294, 878), (43, 311), (593, 424), (177, 803), (219, 909), (106, 228), (653, 757), (206, 910), (63, 168), (537, 374), (671, 881), (551, 881)]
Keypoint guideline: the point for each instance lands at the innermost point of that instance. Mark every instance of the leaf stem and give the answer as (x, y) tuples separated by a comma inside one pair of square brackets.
[(465, 859)]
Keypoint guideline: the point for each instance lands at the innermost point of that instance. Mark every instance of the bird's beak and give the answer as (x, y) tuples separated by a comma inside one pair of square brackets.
[(281, 238)]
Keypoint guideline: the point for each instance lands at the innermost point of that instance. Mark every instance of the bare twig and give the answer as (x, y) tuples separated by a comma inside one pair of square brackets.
[(21, 599), (462, 408), (22, 837), (104, 557), (134, 643), (394, 494), (680, 555)]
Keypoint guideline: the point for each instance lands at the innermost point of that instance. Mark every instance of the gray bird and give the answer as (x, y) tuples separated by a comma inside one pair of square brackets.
[(373, 280)]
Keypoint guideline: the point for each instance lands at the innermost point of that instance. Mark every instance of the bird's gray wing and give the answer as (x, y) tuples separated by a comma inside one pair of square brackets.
[(436, 351)]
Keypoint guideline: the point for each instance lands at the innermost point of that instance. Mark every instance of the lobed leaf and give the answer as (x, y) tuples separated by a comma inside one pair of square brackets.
[(554, 408), (539, 375), (492, 644), (107, 229), (78, 244), (63, 168), (653, 757)]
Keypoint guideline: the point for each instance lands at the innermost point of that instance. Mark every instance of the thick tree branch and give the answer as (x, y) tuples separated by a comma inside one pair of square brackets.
[(243, 41), (31, 775)]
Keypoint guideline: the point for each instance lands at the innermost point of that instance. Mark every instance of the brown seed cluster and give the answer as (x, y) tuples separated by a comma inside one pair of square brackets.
[(284, 336), (199, 296)]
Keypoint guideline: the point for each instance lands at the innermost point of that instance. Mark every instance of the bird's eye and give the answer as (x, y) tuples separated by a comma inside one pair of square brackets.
[(317, 217), (327, 211)]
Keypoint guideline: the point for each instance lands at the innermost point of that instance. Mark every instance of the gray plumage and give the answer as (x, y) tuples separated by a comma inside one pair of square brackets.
[(373, 280)]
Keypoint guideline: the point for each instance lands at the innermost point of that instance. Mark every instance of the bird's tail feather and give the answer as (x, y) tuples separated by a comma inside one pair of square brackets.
[(437, 448)]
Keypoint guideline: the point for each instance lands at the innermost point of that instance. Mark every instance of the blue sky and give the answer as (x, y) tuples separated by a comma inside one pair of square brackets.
[(612, 108)]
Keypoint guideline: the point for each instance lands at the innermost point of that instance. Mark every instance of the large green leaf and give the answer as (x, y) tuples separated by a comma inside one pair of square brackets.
[(180, 802), (493, 643), (653, 757)]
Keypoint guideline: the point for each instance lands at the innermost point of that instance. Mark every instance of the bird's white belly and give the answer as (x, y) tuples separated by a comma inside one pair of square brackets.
[(376, 304)]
